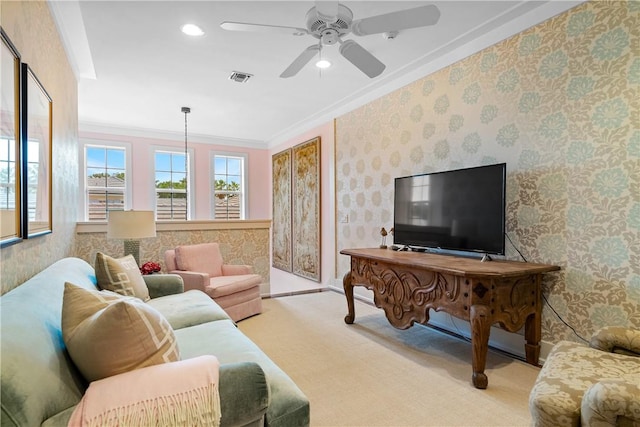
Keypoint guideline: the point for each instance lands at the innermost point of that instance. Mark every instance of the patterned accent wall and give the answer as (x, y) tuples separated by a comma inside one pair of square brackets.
[(31, 28), (238, 246), (560, 104)]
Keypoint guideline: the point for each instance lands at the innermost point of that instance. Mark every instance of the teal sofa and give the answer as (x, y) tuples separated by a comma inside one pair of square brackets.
[(40, 386)]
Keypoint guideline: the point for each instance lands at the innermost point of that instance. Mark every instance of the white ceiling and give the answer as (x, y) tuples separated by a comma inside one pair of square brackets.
[(146, 69)]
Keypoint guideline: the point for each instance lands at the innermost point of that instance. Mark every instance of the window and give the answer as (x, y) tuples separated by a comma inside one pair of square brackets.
[(106, 184), (33, 174), (229, 186), (420, 195), (171, 185), (7, 174)]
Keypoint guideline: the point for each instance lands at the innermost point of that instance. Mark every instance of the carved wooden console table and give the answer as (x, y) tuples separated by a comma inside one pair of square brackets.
[(407, 284)]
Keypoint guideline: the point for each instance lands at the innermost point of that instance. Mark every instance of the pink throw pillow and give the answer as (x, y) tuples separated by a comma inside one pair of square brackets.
[(185, 390)]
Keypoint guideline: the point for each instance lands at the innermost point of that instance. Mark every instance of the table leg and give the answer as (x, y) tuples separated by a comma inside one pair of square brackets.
[(480, 328), (348, 293), (533, 335)]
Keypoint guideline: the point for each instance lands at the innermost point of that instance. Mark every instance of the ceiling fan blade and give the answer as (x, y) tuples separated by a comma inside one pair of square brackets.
[(327, 10), (401, 20), (261, 28), (300, 61), (361, 58)]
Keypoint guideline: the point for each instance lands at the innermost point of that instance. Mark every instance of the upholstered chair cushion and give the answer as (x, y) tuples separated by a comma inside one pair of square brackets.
[(120, 275), (565, 378), (612, 402), (617, 340), (203, 258), (107, 334)]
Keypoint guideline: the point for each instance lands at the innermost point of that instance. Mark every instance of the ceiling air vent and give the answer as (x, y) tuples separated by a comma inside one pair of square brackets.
[(240, 77)]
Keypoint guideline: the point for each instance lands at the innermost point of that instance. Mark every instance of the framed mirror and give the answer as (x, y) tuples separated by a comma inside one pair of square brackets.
[(10, 206), (36, 155)]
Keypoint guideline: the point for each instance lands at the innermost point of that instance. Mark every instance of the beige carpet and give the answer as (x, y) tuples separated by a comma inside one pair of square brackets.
[(371, 374)]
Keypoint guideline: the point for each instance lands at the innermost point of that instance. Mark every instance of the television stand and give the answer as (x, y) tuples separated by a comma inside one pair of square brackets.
[(407, 284), (486, 257)]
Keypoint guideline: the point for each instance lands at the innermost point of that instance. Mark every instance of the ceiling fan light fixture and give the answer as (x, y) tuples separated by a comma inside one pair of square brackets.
[(323, 63), (329, 21), (192, 30)]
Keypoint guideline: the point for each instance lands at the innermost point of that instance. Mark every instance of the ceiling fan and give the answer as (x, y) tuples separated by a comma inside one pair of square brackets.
[(329, 21)]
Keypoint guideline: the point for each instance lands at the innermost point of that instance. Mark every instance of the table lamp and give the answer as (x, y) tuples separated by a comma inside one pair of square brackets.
[(131, 226)]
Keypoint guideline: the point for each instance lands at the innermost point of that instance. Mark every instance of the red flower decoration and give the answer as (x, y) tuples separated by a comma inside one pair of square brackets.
[(150, 268)]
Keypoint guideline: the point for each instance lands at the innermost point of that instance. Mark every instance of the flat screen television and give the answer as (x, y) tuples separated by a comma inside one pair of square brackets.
[(457, 210)]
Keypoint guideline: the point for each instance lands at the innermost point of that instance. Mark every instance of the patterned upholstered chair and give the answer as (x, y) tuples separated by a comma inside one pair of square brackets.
[(234, 287), (595, 385)]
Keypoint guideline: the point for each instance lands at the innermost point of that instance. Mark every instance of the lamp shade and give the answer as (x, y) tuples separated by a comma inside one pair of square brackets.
[(131, 225)]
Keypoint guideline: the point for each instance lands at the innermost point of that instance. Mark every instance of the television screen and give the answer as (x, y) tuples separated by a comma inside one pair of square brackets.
[(460, 210)]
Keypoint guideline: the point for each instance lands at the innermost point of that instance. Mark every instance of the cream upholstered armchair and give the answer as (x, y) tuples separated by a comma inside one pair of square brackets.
[(234, 287), (595, 385)]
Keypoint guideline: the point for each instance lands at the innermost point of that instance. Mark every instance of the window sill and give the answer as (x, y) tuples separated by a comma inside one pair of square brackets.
[(101, 227)]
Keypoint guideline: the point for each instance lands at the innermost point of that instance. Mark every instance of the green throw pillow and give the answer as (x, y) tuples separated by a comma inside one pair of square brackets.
[(107, 334), (120, 275)]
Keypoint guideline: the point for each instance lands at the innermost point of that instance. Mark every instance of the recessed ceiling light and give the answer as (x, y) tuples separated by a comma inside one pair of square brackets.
[(323, 63), (192, 30)]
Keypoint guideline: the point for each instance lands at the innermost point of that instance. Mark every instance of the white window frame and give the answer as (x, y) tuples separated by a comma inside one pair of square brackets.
[(5, 202), (243, 189), (83, 199), (190, 177)]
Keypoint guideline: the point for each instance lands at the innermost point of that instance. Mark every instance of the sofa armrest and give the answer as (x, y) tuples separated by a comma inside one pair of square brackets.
[(244, 393), (193, 279), (160, 285), (617, 340), (236, 270), (608, 401), (185, 390)]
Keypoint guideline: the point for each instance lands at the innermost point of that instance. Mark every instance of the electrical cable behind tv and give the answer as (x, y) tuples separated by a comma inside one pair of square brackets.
[(544, 297)]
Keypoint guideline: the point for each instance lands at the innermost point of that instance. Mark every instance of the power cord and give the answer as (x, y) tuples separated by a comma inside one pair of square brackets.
[(458, 331), (562, 320), (515, 247), (545, 298)]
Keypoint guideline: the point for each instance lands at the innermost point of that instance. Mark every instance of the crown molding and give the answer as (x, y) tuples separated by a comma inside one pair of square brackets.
[(68, 19), (85, 128), (527, 14)]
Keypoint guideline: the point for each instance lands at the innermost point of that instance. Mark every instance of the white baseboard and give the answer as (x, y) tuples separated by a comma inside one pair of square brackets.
[(508, 342)]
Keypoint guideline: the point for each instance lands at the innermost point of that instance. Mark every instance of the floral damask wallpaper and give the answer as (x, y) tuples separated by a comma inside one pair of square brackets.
[(560, 104)]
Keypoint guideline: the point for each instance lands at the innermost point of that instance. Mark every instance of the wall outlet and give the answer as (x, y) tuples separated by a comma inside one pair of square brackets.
[(344, 219)]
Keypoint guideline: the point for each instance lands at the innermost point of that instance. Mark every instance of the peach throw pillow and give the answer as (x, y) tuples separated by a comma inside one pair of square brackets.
[(108, 334)]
